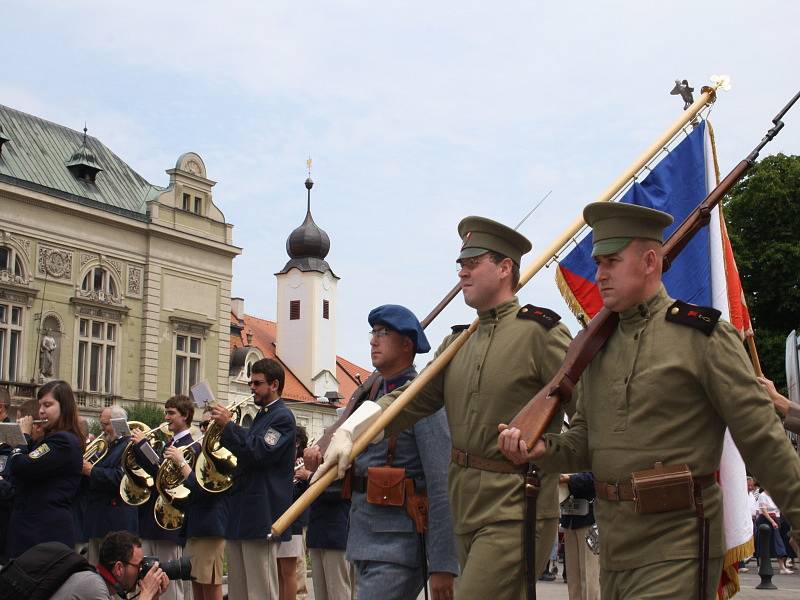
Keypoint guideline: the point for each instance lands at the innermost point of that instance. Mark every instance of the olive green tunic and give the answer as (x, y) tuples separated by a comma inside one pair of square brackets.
[(661, 391), (505, 362)]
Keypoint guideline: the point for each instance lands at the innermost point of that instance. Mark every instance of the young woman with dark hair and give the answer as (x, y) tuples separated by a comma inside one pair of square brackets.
[(46, 473)]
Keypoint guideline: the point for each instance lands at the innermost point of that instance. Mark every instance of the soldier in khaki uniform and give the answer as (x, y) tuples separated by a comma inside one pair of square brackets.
[(663, 389), (513, 353)]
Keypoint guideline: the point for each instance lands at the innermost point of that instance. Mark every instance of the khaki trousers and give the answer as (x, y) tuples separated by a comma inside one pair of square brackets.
[(665, 580), (252, 569), (583, 566), (330, 574), (492, 559), (164, 551)]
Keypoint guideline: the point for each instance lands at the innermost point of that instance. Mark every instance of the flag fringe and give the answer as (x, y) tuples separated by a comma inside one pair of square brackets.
[(569, 297), (730, 569)]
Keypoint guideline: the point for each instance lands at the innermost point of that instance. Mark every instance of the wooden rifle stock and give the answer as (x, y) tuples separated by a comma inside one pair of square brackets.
[(535, 416)]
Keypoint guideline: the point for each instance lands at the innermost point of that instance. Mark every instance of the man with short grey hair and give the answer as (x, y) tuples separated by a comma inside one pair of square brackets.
[(105, 510)]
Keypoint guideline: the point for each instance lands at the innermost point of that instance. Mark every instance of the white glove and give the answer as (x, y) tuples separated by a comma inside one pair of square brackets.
[(338, 452)]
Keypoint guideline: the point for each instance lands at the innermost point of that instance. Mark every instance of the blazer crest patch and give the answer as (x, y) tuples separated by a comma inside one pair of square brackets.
[(272, 436), (39, 451), (703, 318), (544, 316)]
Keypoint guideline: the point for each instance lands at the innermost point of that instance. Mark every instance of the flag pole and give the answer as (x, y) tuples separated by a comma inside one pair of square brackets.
[(750, 339), (437, 364)]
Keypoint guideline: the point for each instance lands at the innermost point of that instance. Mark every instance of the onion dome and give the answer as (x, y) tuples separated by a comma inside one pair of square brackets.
[(308, 245)]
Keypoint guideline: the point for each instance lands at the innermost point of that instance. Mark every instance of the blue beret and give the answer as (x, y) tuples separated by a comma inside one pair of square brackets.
[(400, 319)]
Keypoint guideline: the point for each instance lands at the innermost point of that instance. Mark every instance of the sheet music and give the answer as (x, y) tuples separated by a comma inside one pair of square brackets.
[(11, 434), (201, 394), (120, 426)]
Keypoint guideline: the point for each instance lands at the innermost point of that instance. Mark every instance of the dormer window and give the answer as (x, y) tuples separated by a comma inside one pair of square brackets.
[(99, 280), (187, 202), (83, 164), (198, 205), (3, 139)]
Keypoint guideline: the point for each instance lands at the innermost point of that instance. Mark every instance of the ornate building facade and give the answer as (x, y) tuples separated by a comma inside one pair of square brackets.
[(116, 285)]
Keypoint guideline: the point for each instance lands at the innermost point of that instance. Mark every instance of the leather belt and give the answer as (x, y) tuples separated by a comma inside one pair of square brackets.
[(623, 491), (471, 461)]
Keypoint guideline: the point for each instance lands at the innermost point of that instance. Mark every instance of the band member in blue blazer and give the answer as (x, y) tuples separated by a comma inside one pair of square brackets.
[(262, 488), (46, 473), (205, 519), (156, 541), (105, 510)]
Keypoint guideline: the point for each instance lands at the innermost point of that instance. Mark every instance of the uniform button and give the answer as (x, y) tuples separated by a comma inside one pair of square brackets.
[(675, 310)]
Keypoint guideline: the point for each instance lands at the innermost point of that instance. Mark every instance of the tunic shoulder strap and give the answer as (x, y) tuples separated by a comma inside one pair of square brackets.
[(544, 316), (703, 318)]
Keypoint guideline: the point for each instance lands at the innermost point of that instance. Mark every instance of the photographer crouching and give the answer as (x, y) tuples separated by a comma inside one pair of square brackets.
[(52, 570)]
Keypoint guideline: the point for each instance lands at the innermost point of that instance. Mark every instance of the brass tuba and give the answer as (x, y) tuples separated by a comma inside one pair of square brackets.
[(169, 509), (134, 489), (215, 463), (96, 450)]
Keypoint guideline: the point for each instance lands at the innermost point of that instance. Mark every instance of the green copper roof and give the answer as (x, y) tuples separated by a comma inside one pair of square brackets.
[(38, 154)]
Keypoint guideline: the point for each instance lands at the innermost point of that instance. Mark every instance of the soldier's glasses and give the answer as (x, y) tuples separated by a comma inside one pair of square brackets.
[(378, 333)]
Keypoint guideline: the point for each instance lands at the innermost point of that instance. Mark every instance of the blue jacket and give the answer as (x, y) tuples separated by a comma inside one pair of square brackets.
[(581, 485), (105, 510), (148, 528), (329, 521), (386, 533), (46, 476), (206, 512), (262, 480)]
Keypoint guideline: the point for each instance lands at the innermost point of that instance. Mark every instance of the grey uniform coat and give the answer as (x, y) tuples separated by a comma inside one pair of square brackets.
[(386, 533)]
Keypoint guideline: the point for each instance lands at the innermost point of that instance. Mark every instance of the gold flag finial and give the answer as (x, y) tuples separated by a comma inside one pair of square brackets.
[(308, 166)]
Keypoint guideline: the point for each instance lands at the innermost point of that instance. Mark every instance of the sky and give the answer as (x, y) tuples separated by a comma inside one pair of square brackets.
[(415, 114)]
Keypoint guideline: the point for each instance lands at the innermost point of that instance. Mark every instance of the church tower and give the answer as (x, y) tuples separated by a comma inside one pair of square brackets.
[(306, 340)]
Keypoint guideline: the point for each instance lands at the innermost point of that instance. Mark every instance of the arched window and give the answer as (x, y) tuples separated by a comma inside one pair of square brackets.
[(11, 262), (99, 279)]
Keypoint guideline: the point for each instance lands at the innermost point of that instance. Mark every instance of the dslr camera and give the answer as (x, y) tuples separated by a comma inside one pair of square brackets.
[(179, 568)]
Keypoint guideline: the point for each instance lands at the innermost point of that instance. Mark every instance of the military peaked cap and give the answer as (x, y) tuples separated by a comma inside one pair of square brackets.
[(615, 224), (480, 235)]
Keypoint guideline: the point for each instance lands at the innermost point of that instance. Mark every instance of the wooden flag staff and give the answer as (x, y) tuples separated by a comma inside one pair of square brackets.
[(435, 367)]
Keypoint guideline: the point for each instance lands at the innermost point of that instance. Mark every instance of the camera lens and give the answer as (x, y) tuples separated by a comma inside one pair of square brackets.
[(179, 568)]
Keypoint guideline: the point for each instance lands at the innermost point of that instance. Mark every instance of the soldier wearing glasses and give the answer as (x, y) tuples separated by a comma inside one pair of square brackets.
[(262, 488), (513, 353)]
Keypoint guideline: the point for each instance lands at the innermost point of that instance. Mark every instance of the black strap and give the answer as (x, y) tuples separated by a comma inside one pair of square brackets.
[(532, 487), (703, 534), (423, 561)]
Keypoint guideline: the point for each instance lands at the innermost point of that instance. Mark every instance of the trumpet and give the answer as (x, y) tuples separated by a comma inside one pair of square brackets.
[(215, 463), (136, 482)]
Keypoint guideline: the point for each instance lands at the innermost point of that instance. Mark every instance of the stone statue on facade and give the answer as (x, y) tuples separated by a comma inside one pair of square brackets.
[(47, 355)]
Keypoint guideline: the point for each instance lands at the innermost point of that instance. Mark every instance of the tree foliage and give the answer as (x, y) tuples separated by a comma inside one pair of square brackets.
[(763, 216), (146, 412)]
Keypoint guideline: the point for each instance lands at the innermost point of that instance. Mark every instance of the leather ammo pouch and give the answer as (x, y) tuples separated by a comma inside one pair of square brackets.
[(386, 486), (663, 488)]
